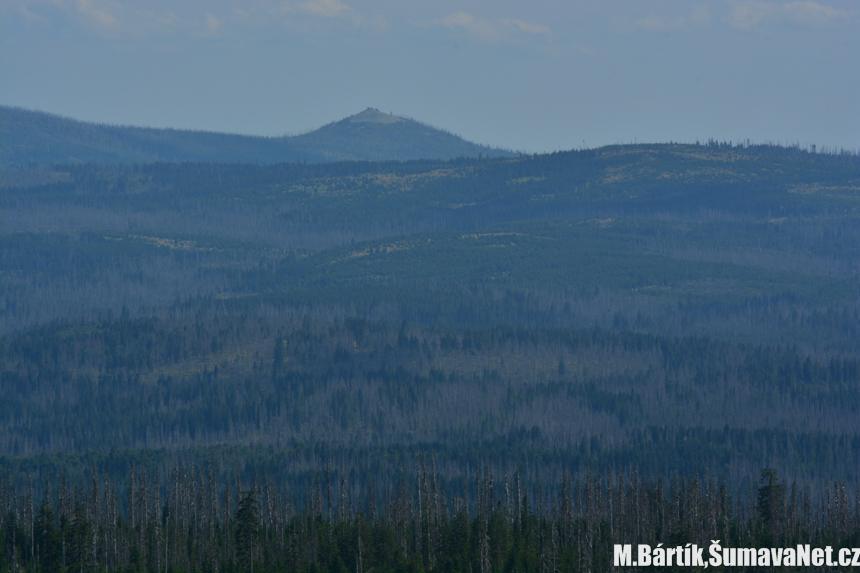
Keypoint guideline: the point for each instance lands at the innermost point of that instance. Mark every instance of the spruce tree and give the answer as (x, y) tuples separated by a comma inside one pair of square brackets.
[(247, 527)]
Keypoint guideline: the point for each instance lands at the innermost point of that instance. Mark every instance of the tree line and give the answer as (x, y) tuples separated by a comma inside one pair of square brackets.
[(184, 518)]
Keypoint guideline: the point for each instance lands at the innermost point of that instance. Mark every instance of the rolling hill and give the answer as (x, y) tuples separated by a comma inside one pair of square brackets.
[(28, 137)]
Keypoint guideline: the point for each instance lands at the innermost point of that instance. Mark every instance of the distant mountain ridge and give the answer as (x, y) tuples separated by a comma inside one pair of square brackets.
[(28, 137)]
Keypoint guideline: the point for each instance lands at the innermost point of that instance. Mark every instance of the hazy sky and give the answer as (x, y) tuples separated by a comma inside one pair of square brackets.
[(533, 76)]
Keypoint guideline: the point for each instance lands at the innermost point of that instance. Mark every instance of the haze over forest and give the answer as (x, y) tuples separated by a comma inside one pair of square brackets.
[(747, 246), (661, 309)]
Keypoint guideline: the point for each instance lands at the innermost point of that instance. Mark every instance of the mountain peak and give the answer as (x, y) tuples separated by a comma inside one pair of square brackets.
[(35, 137), (371, 115)]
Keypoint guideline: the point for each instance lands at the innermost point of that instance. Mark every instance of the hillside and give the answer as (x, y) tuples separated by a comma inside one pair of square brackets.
[(628, 305), (376, 136), (28, 137), (657, 326)]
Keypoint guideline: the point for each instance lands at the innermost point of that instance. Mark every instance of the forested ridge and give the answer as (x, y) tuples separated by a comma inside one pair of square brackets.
[(664, 310), (31, 137)]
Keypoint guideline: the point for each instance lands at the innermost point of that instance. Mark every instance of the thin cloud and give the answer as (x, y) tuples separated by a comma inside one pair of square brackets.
[(32, 17), (750, 14), (334, 10), (143, 23), (476, 27), (528, 28), (813, 12), (127, 18), (324, 8), (169, 19), (96, 16), (116, 19), (489, 31), (656, 23), (211, 25), (746, 15)]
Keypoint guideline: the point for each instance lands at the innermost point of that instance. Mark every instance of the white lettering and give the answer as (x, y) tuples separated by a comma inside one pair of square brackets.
[(730, 555), (817, 557), (622, 554), (790, 557), (746, 557), (776, 557), (716, 554)]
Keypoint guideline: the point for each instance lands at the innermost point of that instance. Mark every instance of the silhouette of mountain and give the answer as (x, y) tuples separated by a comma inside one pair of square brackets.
[(373, 135), (28, 137)]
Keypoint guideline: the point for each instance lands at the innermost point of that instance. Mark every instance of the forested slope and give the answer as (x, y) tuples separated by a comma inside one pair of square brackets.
[(30, 137), (661, 307)]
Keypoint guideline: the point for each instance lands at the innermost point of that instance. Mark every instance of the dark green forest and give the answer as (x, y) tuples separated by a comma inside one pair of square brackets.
[(344, 343), (186, 519)]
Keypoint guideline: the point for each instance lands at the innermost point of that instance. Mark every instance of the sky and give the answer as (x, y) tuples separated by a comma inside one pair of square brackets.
[(536, 76)]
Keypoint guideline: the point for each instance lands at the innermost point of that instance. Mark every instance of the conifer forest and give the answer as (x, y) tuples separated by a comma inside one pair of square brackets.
[(492, 364)]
